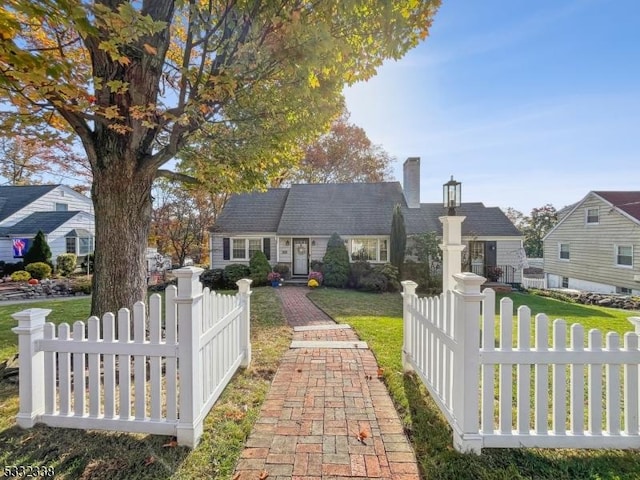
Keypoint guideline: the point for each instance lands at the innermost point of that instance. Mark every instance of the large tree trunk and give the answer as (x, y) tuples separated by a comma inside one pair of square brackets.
[(122, 201)]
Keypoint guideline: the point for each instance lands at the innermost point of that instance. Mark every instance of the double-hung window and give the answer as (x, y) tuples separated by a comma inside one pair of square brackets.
[(244, 248), (592, 216), (79, 245), (564, 251), (624, 256)]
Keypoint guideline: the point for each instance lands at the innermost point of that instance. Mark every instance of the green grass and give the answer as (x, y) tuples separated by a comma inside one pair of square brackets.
[(79, 454), (378, 320)]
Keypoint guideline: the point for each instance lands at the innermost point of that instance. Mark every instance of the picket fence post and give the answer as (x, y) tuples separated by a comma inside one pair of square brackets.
[(189, 302), (466, 378), (30, 331), (244, 294), (408, 294)]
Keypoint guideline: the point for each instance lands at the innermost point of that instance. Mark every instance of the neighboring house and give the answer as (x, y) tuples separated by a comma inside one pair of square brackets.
[(293, 225), (64, 216), (596, 246)]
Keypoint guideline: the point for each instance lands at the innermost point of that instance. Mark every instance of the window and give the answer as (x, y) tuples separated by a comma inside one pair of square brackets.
[(244, 248), (564, 251), (476, 250), (62, 207), (624, 255), (565, 282), (624, 290), (71, 244), (593, 215), (369, 249)]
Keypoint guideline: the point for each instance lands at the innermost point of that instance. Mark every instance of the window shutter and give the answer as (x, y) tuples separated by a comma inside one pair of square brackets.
[(226, 248), (266, 247)]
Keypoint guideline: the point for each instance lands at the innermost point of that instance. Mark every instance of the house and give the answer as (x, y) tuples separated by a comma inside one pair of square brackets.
[(596, 245), (293, 225), (62, 214)]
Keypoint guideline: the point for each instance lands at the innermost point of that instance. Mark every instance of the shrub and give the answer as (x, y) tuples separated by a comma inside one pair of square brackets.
[(391, 273), (273, 277), (336, 263), (20, 276), (358, 270), (374, 282), (235, 272), (317, 276), (283, 270), (66, 263), (39, 270), (81, 285), (39, 250), (9, 268), (259, 268), (213, 279), (313, 283)]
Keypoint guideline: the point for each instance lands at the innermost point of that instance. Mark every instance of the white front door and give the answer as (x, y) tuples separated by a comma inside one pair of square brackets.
[(300, 256)]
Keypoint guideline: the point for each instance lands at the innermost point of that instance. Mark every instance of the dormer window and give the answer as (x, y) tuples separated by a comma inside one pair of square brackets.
[(593, 216)]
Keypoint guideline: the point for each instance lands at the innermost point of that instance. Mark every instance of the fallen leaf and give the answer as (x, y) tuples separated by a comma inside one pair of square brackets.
[(263, 475), (235, 415), (380, 372), (149, 460), (150, 49), (361, 436), (171, 444), (299, 370)]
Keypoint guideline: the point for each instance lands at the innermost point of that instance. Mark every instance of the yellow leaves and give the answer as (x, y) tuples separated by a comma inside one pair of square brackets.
[(111, 113), (313, 80), (122, 60), (118, 86)]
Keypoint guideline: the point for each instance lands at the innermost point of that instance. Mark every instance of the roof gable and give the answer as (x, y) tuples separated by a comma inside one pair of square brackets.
[(15, 197), (627, 202)]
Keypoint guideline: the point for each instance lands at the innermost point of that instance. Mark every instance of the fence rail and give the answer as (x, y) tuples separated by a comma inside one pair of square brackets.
[(148, 372), (533, 384)]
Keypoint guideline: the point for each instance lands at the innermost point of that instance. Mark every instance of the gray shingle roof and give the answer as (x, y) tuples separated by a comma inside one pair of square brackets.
[(349, 209), (346, 208), (45, 221), (481, 221), (14, 198), (253, 212)]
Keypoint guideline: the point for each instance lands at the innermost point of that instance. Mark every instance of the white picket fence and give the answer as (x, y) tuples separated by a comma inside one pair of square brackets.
[(531, 392), (164, 380)]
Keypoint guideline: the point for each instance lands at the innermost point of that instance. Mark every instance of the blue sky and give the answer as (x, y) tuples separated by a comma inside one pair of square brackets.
[(525, 103)]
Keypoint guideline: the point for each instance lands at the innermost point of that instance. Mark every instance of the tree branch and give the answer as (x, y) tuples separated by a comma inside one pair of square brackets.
[(176, 176)]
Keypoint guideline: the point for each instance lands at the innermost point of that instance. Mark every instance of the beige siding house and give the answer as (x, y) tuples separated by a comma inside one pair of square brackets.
[(596, 245), (293, 225)]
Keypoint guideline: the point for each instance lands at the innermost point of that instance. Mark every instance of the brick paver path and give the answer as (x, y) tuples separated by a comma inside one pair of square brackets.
[(319, 402)]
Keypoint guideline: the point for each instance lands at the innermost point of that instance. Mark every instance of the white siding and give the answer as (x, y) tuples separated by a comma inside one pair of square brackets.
[(591, 247), (285, 250), (507, 253), (56, 239), (47, 203), (216, 253), (319, 249)]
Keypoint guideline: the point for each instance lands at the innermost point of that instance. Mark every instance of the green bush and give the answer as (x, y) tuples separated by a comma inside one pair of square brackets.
[(374, 282), (235, 272), (391, 274), (213, 279), (283, 270), (20, 276), (357, 271), (336, 263), (9, 268), (39, 250), (81, 285), (38, 270), (66, 263), (259, 268), (316, 266), (553, 294)]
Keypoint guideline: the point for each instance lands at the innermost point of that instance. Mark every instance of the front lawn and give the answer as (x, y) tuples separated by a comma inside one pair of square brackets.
[(79, 454), (378, 320)]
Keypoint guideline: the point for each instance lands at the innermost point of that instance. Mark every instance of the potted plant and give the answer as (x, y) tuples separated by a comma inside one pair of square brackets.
[(494, 273), (274, 278)]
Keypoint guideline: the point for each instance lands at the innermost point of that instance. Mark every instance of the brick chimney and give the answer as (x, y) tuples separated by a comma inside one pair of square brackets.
[(411, 182)]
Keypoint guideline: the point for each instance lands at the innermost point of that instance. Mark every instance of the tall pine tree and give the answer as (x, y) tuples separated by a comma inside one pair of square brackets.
[(39, 250), (398, 242)]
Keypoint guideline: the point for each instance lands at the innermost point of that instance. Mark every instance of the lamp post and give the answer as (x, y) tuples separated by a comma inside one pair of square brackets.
[(451, 246)]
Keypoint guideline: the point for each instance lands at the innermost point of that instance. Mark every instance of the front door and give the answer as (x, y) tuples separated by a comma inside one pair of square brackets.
[(300, 256), (490, 254)]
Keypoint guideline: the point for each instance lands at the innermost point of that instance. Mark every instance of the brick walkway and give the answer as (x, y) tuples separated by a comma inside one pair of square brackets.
[(319, 402)]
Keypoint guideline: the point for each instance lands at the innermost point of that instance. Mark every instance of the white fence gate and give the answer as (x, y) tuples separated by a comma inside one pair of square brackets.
[(564, 393), (163, 381)]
